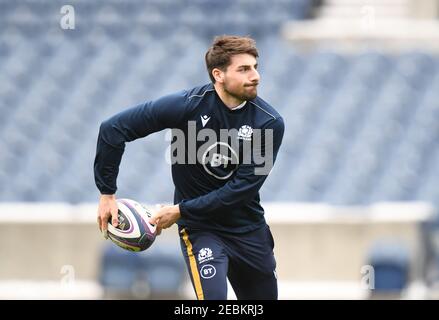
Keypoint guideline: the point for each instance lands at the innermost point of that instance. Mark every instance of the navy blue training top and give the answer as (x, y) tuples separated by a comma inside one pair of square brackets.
[(217, 189)]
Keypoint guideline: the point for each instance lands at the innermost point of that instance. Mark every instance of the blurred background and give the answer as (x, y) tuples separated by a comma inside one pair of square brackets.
[(352, 201)]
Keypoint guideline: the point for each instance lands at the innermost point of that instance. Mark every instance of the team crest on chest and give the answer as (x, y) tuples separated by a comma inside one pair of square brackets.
[(245, 133)]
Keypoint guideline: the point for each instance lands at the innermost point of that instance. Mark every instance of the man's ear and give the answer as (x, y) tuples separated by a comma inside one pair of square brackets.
[(218, 75)]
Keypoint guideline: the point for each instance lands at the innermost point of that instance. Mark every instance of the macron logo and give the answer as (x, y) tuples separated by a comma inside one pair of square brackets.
[(204, 120)]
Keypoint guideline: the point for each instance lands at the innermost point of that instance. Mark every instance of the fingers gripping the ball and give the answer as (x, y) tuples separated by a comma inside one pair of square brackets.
[(155, 220), (104, 225), (156, 215), (107, 213), (99, 222), (165, 217), (114, 219)]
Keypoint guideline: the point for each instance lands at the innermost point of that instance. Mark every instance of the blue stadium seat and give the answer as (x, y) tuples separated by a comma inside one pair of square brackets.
[(118, 270), (391, 262), (160, 272), (164, 269)]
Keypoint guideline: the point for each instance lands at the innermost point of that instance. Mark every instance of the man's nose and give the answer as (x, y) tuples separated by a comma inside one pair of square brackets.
[(254, 76)]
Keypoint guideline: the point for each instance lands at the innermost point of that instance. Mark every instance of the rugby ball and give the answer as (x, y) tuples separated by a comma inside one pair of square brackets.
[(134, 232)]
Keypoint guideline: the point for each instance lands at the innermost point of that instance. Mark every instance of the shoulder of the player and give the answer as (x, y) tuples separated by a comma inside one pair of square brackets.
[(266, 111), (187, 99), (186, 95), (200, 92), (194, 97)]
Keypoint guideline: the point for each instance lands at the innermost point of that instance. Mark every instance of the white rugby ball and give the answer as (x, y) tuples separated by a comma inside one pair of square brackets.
[(134, 232)]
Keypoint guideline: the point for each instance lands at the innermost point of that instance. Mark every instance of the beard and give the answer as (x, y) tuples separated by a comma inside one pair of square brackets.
[(243, 93)]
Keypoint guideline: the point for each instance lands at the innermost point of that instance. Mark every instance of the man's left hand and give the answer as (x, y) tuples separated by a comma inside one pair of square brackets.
[(165, 217)]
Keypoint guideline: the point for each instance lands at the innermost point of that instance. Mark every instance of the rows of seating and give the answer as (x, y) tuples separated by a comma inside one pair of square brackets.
[(359, 127)]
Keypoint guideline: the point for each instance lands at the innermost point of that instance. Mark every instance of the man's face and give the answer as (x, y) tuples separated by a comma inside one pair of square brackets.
[(241, 78)]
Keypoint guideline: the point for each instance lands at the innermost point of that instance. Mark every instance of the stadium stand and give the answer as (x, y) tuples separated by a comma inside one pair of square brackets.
[(369, 110)]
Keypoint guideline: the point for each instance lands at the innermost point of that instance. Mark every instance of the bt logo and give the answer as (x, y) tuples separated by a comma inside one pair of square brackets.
[(208, 271)]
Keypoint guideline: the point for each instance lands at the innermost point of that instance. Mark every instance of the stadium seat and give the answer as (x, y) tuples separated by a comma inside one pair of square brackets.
[(164, 269), (390, 260), (118, 271), (158, 273)]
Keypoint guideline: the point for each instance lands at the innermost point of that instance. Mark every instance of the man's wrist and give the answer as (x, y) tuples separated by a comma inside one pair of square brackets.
[(182, 209), (108, 196), (175, 210)]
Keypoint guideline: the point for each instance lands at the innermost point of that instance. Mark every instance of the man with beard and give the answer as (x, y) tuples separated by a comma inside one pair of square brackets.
[(222, 229)]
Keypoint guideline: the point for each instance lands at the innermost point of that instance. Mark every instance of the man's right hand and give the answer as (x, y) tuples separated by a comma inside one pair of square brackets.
[(107, 208)]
